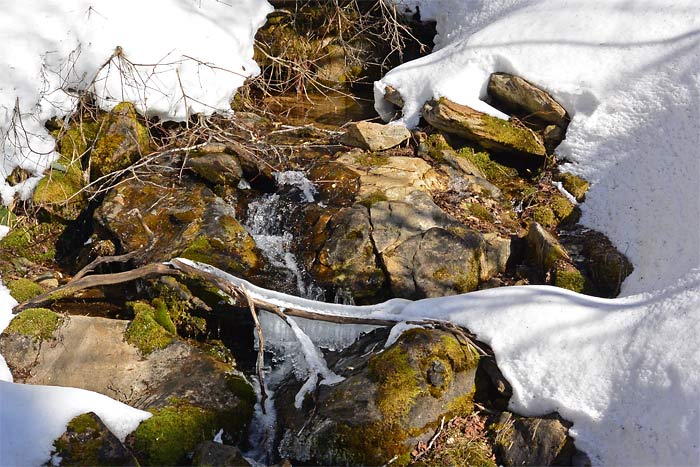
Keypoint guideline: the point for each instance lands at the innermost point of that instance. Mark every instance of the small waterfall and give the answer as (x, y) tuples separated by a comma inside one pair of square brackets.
[(267, 218)]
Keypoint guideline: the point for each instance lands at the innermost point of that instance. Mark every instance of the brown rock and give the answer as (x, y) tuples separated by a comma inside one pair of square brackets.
[(375, 136), (490, 132), (516, 93)]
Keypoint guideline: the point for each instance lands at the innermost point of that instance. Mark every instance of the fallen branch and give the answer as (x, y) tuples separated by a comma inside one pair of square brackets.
[(97, 280)]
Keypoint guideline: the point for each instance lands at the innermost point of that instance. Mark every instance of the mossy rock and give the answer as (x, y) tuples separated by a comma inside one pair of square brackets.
[(566, 276), (88, 442), (389, 399), (35, 242), (122, 140), (59, 192), (494, 171), (574, 184), (172, 433), (489, 132), (37, 323), (24, 289), (146, 331)]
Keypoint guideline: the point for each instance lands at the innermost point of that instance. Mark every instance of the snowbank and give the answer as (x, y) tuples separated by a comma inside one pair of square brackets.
[(628, 73), (177, 57)]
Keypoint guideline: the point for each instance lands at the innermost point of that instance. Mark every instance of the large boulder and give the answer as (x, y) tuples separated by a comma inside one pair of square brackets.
[(488, 131), (434, 264), (390, 399), (385, 177)]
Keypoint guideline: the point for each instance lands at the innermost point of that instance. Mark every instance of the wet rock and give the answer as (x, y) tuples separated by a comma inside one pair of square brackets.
[(121, 141), (374, 136), (392, 95), (347, 260), (390, 399), (336, 184), (518, 94), (210, 454), (532, 441), (391, 178), (184, 218), (217, 168), (490, 132), (87, 441)]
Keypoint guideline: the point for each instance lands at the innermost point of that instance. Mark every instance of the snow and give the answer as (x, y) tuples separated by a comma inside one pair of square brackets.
[(32, 417), (626, 371), (397, 330), (627, 72), (178, 57)]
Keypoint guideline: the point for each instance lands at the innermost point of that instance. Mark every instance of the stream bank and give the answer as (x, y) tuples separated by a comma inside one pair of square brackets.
[(314, 206)]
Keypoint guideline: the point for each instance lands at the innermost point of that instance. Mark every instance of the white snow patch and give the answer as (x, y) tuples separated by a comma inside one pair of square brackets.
[(32, 417), (179, 57)]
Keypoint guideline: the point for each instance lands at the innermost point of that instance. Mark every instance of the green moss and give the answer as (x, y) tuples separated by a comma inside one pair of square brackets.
[(401, 375), (24, 289), (145, 332), (172, 433), (479, 211), (162, 315), (561, 207), (568, 277), (398, 382), (435, 144), (575, 185), (495, 172), (233, 251), (35, 243), (544, 216), (372, 159), (83, 423), (373, 198), (520, 139), (39, 323), (120, 143)]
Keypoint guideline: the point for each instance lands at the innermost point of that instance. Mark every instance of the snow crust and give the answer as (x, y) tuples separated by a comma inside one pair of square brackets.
[(177, 57), (627, 72)]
